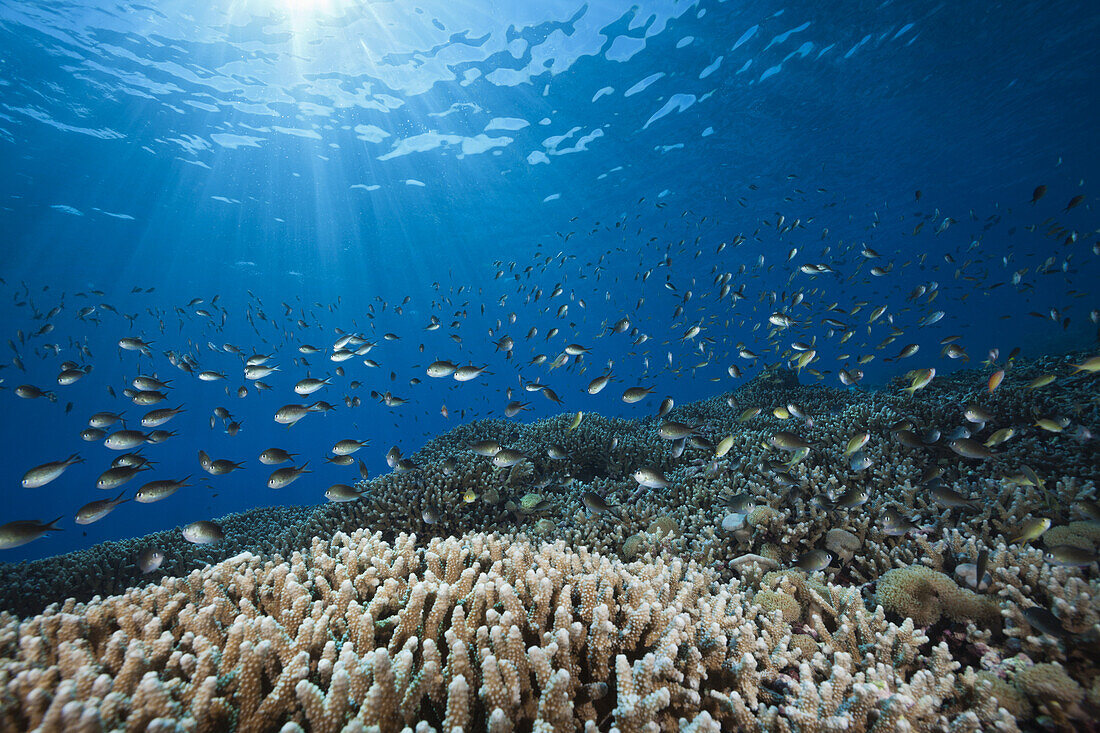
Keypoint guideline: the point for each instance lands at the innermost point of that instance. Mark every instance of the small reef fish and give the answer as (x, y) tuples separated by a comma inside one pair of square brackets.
[(920, 380), (149, 560), (20, 532), (814, 560), (339, 493), (41, 475), (595, 503), (275, 456), (650, 477), (203, 532), (283, 477), (93, 511)]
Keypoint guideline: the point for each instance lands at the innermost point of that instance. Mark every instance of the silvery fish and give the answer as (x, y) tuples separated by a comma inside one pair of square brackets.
[(339, 493), (860, 461), (20, 532), (203, 532), (814, 560), (47, 472), (149, 560), (93, 511)]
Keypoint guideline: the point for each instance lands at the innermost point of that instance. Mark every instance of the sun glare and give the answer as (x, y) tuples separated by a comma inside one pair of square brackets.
[(309, 7)]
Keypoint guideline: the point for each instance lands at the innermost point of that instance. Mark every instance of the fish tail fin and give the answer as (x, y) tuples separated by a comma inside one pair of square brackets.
[(50, 525)]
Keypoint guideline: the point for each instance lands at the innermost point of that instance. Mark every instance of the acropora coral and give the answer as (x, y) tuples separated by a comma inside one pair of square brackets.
[(520, 609)]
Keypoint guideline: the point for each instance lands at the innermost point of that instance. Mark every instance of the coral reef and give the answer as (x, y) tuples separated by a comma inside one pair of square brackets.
[(485, 632), (925, 595), (687, 606)]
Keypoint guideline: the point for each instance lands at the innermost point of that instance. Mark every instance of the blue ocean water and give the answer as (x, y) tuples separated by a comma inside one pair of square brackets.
[(317, 165)]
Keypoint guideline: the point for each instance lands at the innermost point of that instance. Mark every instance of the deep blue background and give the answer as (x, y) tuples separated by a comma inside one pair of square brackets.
[(973, 106)]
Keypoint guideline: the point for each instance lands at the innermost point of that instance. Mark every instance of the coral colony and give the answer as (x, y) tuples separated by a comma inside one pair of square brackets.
[(762, 590)]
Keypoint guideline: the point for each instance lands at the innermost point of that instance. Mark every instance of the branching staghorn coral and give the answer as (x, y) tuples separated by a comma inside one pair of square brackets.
[(478, 631), (361, 634)]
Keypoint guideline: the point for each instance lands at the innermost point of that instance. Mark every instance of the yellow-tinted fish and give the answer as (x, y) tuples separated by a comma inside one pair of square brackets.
[(1089, 365), (999, 437), (805, 358), (1040, 381), (921, 378), (856, 442), (797, 456), (1030, 530), (724, 446)]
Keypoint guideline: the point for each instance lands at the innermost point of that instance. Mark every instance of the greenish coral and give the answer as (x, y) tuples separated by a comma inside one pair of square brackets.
[(635, 545), (762, 516), (925, 595), (662, 527), (1048, 682), (806, 644), (531, 503), (1009, 697), (1085, 535), (811, 596), (778, 600)]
